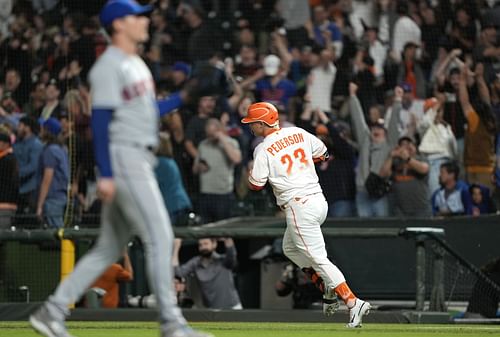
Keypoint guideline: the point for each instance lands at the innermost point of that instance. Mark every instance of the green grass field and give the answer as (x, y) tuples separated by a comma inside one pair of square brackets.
[(230, 329)]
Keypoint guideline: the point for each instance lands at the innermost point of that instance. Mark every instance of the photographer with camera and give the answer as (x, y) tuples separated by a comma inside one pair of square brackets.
[(212, 272), (409, 172)]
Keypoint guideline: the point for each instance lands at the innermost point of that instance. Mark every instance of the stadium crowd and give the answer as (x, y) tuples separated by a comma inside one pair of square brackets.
[(405, 93)]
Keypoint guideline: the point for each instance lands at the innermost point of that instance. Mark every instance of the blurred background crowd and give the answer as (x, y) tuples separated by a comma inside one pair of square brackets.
[(405, 93)]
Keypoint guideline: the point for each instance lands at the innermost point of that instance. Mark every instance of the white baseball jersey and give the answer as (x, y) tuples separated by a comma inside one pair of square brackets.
[(285, 159)]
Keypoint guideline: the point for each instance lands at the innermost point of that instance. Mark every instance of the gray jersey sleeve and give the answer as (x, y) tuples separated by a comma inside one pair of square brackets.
[(106, 87)]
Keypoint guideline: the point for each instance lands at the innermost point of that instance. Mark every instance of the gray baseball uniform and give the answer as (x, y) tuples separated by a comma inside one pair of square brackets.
[(123, 83)]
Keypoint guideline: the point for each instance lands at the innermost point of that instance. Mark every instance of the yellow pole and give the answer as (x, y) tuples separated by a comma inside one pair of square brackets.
[(67, 257)]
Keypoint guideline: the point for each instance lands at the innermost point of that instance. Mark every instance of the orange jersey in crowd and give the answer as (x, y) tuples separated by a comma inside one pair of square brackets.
[(109, 282)]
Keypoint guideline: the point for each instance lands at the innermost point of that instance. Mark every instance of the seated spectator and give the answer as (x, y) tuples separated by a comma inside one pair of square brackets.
[(109, 281), (27, 150), (218, 154), (170, 181), (409, 172), (481, 201), (9, 180), (453, 197), (213, 272), (52, 175)]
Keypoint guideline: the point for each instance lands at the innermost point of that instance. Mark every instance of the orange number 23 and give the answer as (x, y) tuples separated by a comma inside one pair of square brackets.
[(287, 159)]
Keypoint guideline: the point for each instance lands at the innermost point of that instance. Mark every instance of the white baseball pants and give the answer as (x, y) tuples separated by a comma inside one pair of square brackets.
[(303, 242)]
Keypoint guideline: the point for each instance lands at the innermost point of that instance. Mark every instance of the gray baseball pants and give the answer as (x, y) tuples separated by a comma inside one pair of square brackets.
[(137, 209)]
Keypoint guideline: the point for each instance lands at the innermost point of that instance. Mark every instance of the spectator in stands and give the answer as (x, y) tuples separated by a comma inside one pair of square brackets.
[(453, 197), (33, 108), (375, 143), (481, 201), (487, 49), (246, 64), (9, 180), (180, 73), (364, 77), (13, 85), (27, 150), (195, 130), (463, 31), (410, 115), (52, 175), (376, 50), (9, 110), (437, 141), (326, 31), (170, 181), (411, 72), (321, 80), (274, 87), (204, 39), (52, 107), (109, 281), (432, 28), (405, 30), (408, 171), (336, 175), (217, 156), (479, 149), (213, 273)]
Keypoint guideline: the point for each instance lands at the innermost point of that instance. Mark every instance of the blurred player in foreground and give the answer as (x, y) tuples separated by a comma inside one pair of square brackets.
[(125, 117), (286, 159)]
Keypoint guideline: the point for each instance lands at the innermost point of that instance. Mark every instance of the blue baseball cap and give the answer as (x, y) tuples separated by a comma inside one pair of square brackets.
[(183, 67), (51, 124), (116, 9)]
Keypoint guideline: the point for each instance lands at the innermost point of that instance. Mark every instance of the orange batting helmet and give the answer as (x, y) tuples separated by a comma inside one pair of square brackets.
[(262, 112)]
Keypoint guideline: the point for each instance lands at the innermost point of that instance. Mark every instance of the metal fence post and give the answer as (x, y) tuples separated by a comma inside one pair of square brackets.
[(437, 302), (420, 273)]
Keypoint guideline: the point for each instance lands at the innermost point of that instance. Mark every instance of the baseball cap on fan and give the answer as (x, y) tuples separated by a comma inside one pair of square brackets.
[(116, 9), (271, 65)]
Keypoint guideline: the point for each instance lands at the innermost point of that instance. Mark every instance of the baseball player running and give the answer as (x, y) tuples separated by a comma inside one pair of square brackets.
[(286, 159), (124, 123)]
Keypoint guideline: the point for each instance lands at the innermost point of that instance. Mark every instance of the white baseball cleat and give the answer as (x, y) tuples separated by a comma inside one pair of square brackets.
[(331, 303), (46, 325), (361, 308)]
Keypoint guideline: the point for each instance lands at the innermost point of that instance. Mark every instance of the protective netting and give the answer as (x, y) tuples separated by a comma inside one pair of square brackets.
[(299, 55), (455, 284)]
